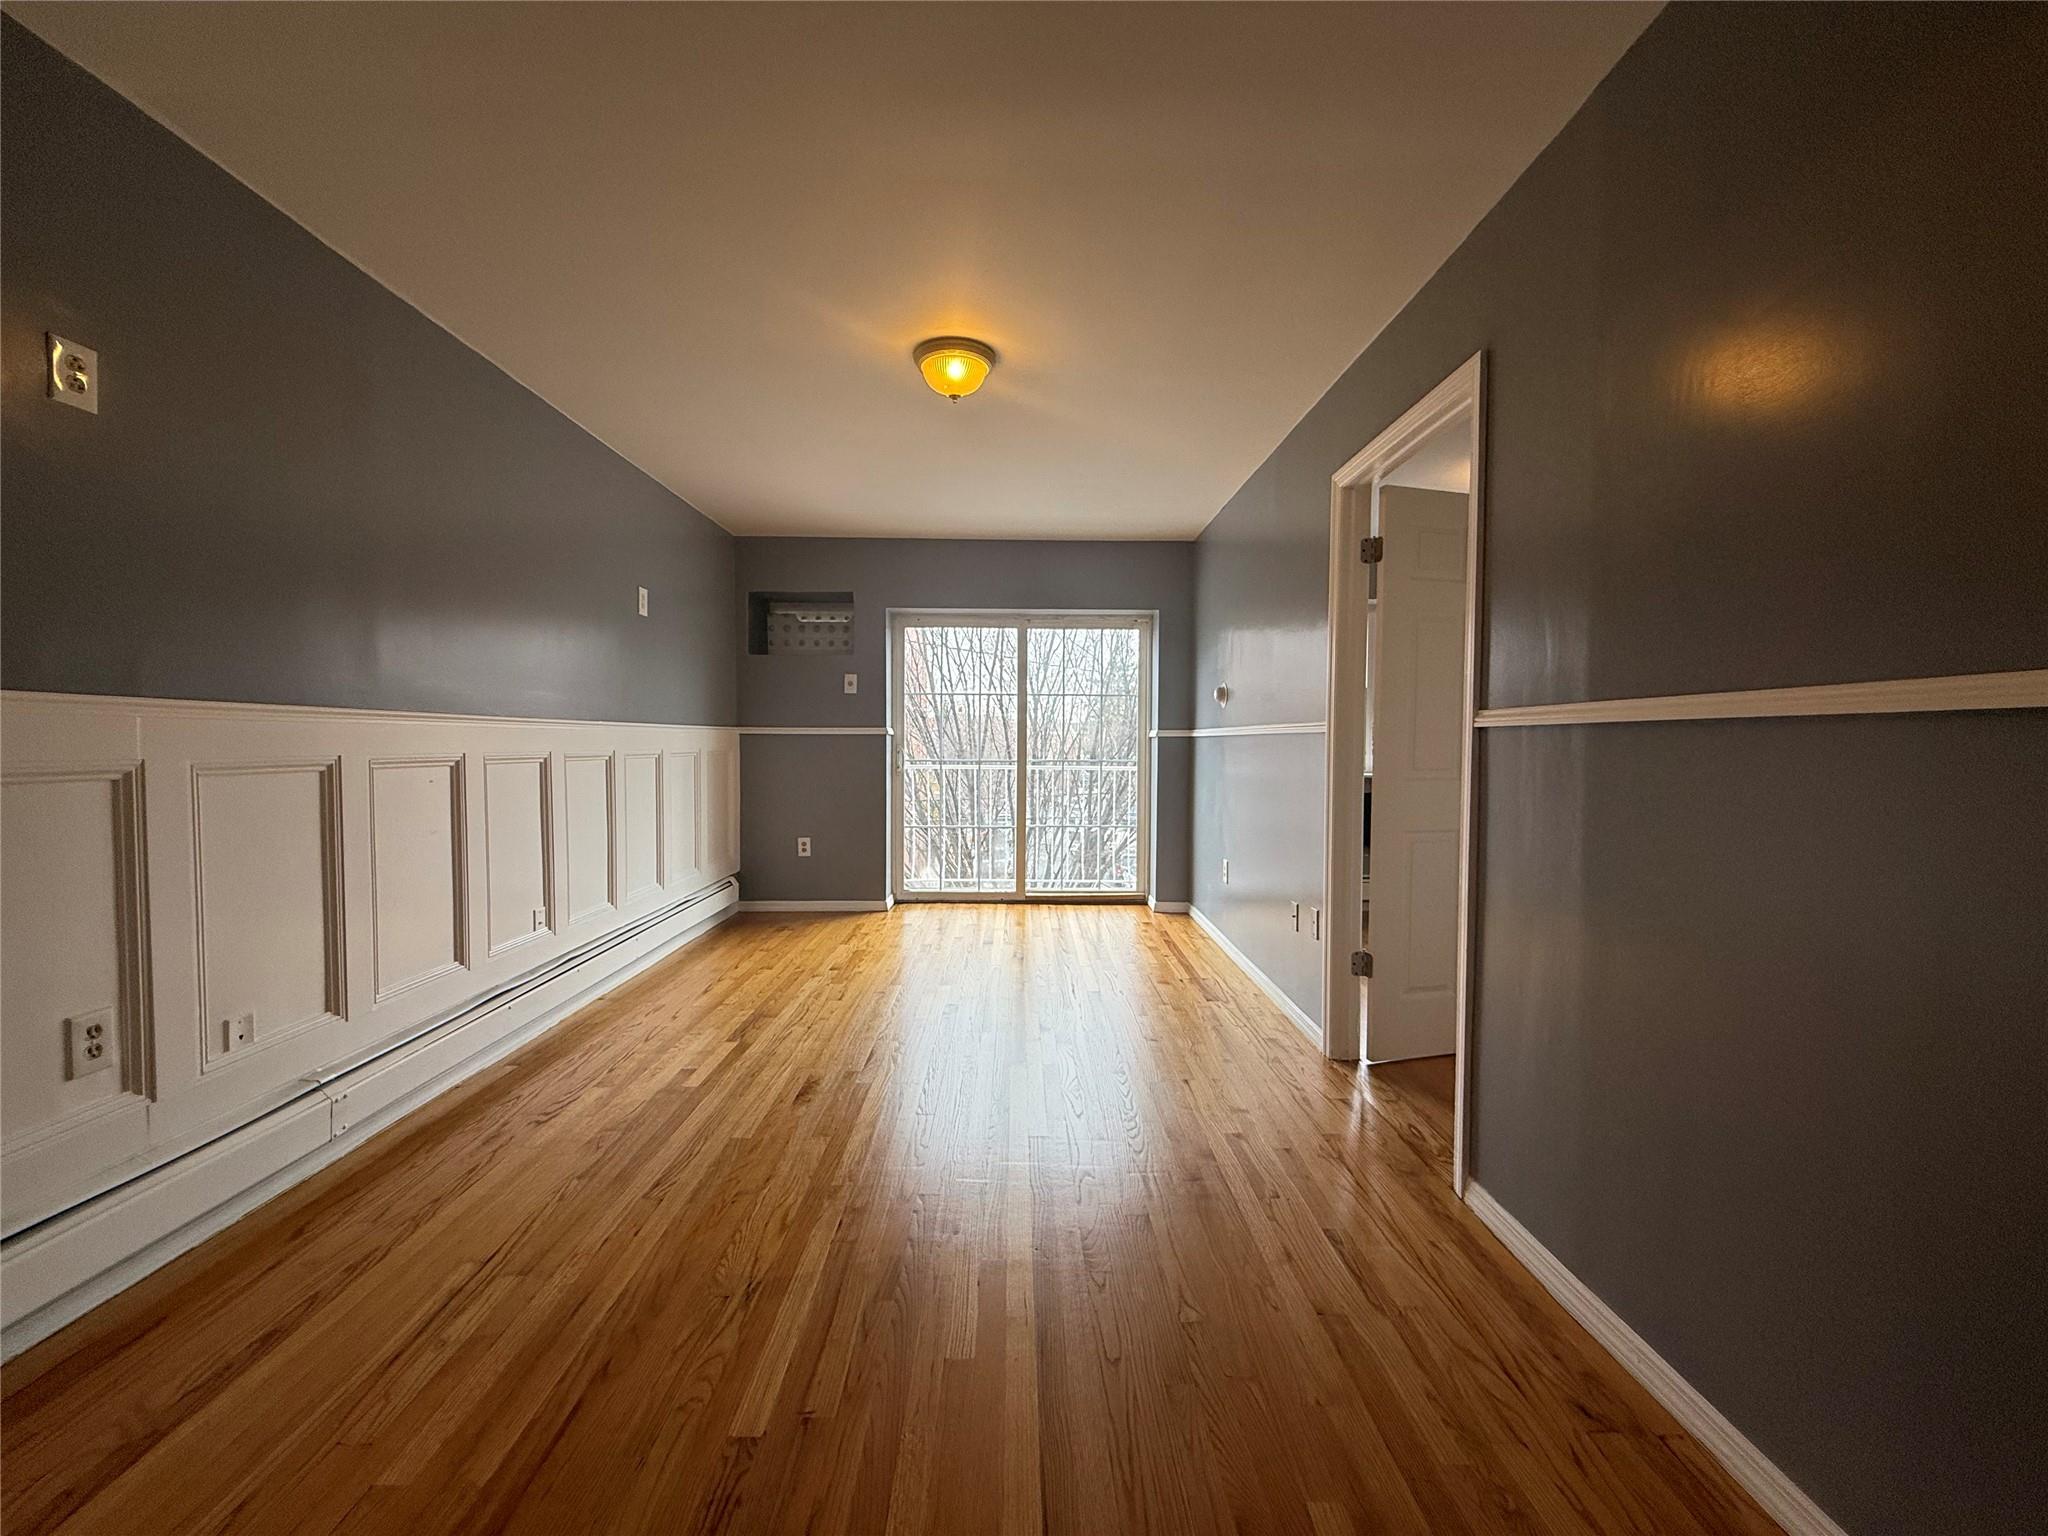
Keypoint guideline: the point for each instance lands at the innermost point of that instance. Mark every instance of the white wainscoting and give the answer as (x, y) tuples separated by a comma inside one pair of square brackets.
[(251, 900)]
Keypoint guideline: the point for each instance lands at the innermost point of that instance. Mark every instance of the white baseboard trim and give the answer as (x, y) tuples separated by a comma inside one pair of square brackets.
[(1266, 984), (1781, 1498), (818, 906), (1165, 906), (75, 1262)]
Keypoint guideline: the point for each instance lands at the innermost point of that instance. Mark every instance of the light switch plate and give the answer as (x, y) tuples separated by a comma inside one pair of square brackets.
[(74, 373), (643, 602), (853, 682)]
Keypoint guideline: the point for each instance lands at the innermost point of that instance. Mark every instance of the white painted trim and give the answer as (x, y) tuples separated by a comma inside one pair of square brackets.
[(812, 730), (1145, 621), (816, 906), (1781, 1498), (67, 1266), (1463, 394), (1265, 983), (231, 709), (1892, 696), (1166, 906), (1302, 728)]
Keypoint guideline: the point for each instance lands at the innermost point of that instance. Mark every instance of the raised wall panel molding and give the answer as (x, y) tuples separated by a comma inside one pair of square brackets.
[(1895, 696), (519, 851), (591, 796), (345, 876), (1781, 1498), (419, 872), (643, 832), (683, 816), (75, 913), (267, 868)]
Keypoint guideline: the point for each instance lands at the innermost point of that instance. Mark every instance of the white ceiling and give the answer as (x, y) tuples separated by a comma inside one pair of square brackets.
[(712, 234), (1442, 461)]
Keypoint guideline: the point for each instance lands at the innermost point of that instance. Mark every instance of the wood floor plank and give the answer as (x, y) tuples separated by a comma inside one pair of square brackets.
[(953, 1219)]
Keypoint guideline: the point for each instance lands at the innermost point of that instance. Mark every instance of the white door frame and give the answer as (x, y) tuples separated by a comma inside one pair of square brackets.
[(1463, 393), (1145, 621)]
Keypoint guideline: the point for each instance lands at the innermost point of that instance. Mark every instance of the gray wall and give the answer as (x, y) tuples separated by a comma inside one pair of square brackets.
[(299, 489), (1760, 1047), (833, 789)]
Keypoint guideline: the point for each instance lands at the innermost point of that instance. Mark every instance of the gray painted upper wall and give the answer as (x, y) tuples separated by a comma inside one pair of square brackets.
[(885, 574), (299, 489), (833, 789), (1766, 346), (1766, 329)]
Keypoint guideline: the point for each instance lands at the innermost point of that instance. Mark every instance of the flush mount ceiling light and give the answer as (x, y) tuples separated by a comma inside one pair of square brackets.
[(955, 366)]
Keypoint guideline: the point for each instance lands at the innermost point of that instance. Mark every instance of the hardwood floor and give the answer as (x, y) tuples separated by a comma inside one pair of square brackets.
[(955, 1219)]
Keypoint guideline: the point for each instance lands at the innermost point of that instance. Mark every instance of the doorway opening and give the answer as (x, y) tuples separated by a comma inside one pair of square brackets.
[(1020, 769), (1405, 665)]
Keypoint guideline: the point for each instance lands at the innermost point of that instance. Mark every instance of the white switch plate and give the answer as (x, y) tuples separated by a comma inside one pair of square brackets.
[(1297, 915), (853, 682), (74, 373), (1315, 922), (238, 1031), (643, 602), (803, 847), (540, 918), (1226, 871), (89, 1043)]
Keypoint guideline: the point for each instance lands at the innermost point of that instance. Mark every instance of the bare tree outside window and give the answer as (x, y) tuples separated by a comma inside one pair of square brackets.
[(959, 746)]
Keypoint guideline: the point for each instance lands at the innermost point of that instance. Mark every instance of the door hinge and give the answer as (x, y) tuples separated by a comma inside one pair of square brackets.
[(1361, 962), (1370, 550)]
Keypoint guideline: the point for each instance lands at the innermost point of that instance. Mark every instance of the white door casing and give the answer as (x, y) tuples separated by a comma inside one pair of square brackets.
[(1079, 785), (1417, 700)]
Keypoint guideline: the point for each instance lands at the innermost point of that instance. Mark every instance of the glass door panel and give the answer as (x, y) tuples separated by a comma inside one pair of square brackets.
[(1084, 747), (958, 746)]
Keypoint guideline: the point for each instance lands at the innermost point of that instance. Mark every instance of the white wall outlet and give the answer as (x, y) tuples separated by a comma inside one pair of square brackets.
[(852, 683), (237, 1032), (1226, 871), (74, 373), (803, 847), (643, 602), (89, 1043), (540, 918)]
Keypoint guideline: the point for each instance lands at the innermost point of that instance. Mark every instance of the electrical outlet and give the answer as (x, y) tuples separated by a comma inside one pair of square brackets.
[(540, 918), (238, 1031), (852, 682), (89, 1043), (803, 847), (1226, 871), (74, 373), (643, 602)]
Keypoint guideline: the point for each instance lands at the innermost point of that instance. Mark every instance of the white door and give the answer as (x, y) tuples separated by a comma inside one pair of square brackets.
[(1416, 697)]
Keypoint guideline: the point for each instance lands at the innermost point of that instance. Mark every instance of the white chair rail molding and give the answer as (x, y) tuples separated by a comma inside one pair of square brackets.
[(222, 918)]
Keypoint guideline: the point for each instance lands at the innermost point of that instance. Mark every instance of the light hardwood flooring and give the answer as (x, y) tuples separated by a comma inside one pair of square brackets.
[(954, 1219)]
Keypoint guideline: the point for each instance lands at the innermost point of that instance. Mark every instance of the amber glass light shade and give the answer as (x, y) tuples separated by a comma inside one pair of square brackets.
[(954, 366)]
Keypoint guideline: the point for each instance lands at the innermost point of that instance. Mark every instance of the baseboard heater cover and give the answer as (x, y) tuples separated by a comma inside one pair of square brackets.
[(70, 1261)]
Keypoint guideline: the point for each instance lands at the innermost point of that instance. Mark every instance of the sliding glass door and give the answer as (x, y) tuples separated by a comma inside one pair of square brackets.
[(1020, 755)]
